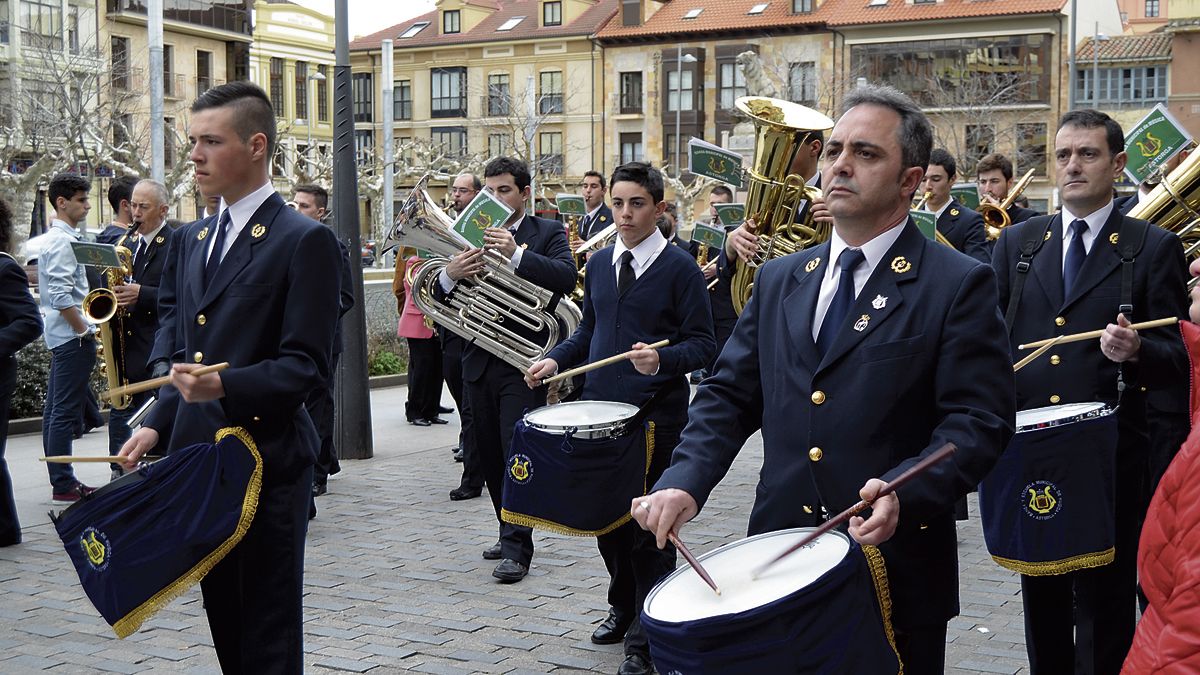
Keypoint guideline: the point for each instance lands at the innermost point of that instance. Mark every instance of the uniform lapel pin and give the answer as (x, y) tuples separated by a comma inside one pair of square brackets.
[(862, 322), (879, 302), (812, 264)]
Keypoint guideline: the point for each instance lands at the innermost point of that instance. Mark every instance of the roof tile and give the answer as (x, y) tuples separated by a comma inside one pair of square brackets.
[(863, 12), (1147, 46), (718, 15)]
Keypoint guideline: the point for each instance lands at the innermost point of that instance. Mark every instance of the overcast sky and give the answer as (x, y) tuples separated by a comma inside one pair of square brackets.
[(370, 16)]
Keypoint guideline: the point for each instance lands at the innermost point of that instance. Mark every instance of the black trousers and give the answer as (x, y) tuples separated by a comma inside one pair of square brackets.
[(922, 650), (634, 561), (10, 527), (1083, 622), (424, 378), (1168, 431), (497, 401), (320, 407), (254, 596), (452, 351)]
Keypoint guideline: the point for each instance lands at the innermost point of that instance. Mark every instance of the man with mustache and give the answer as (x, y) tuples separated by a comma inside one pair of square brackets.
[(857, 358)]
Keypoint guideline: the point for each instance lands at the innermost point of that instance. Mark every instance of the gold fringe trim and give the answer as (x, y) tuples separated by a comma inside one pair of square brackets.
[(883, 593), (1064, 566), (525, 520), (129, 623)]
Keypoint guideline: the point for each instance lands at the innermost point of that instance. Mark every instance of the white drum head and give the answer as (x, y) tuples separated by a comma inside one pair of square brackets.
[(683, 596), (1056, 413), (580, 414)]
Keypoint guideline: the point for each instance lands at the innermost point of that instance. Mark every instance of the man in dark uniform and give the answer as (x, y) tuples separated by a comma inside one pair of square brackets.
[(245, 292), (994, 174), (537, 250), (1083, 621), (149, 243), (961, 226), (598, 216), (720, 296), (872, 351), (466, 186)]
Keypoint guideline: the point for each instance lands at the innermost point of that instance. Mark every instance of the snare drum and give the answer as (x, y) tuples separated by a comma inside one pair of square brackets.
[(1048, 506), (574, 468), (815, 611)]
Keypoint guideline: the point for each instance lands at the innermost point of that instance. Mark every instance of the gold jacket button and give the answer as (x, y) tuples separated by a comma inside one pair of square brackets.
[(815, 454), (201, 320), (257, 418), (1055, 360), (1055, 398), (807, 508), (198, 357), (1059, 321), (818, 397)]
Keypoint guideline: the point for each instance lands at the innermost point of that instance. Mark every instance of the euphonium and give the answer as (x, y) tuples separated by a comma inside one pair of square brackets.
[(995, 217), (775, 194), (100, 308), (1175, 205), (509, 317)]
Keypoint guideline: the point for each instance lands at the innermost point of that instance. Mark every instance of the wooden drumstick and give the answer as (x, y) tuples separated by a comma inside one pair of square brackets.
[(942, 453), (1038, 352), (687, 555), (1093, 334), (155, 383), (84, 459), (602, 362)]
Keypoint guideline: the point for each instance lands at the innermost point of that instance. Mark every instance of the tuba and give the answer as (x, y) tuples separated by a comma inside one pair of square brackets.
[(100, 308), (509, 317), (775, 195), (995, 217), (1175, 206)]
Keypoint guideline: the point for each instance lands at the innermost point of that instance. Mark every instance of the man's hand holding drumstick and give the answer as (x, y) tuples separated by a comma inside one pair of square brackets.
[(193, 389), (644, 358)]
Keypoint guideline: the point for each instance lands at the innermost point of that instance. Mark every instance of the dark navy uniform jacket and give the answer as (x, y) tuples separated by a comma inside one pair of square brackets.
[(922, 360), (963, 228), (269, 312)]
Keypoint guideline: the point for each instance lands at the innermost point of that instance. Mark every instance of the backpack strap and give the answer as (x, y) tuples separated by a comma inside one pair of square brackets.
[(1036, 231), (1130, 240)]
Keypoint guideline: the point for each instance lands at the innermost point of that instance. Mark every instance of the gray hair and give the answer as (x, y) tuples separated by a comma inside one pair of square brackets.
[(160, 191), (475, 182), (915, 134)]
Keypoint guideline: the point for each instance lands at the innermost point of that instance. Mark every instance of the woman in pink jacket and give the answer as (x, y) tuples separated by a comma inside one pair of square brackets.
[(424, 353), (1168, 636)]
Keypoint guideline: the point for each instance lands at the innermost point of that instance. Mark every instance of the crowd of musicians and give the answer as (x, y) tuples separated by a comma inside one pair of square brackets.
[(855, 357)]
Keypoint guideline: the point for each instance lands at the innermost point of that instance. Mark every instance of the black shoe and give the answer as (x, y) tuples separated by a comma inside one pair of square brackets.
[(437, 420), (319, 489), (458, 455), (510, 571), (445, 410), (636, 664), (492, 552), (460, 493), (456, 449), (421, 422), (612, 630)]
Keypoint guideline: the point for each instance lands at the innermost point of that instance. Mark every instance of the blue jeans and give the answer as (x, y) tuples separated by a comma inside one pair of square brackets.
[(70, 366)]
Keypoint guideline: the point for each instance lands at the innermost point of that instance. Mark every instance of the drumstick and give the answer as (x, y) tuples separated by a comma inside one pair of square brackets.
[(601, 363), (1092, 334), (84, 459), (1038, 352), (942, 453), (713, 283), (155, 383), (687, 555)]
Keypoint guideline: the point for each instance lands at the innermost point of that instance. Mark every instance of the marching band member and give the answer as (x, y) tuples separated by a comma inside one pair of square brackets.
[(638, 291), (1083, 621), (994, 175), (872, 351), (470, 486), (244, 291), (962, 227), (599, 215)]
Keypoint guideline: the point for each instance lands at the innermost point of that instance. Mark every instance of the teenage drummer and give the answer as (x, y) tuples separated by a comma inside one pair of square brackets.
[(1074, 284), (638, 291), (856, 358)]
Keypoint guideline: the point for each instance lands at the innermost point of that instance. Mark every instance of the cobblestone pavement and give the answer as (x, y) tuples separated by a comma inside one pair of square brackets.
[(395, 582)]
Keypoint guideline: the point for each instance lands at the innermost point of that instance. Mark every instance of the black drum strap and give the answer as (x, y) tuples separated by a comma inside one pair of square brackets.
[(1130, 239), (1036, 233)]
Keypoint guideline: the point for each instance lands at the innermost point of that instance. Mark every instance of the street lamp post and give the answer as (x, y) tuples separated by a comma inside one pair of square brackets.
[(680, 59), (1097, 38), (314, 77)]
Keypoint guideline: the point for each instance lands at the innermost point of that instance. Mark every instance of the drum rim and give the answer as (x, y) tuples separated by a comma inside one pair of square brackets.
[(1104, 410), (595, 426), (687, 569)]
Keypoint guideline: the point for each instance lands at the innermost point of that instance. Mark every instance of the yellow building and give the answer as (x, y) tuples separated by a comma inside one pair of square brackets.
[(483, 78), (292, 60)]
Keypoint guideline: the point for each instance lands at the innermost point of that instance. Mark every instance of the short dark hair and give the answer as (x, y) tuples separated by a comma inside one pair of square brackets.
[(940, 157), (320, 194), (915, 134), (253, 113), (1093, 119), (597, 174), (663, 223), (643, 174), (121, 190), (66, 185), (6, 227), (508, 165), (994, 162), (722, 190), (475, 182)]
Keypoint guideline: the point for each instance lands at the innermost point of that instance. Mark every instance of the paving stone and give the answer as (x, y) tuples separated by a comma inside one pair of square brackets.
[(346, 665)]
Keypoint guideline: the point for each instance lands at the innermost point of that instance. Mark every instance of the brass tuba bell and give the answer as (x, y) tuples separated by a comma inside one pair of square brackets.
[(1175, 205)]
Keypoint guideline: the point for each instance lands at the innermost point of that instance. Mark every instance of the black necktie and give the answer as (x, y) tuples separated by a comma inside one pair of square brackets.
[(214, 259), (843, 298), (1075, 255), (139, 255), (585, 226), (625, 277)]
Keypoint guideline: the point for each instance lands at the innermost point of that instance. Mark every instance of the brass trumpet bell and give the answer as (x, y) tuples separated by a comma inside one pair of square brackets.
[(99, 305)]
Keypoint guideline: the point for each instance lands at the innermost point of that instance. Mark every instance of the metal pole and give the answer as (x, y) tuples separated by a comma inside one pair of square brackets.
[(154, 13), (678, 102), (389, 163), (531, 125), (1071, 74), (1096, 67), (352, 424)]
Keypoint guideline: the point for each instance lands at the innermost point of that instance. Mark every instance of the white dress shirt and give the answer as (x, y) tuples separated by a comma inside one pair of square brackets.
[(873, 250), (240, 213), (1095, 221), (644, 254)]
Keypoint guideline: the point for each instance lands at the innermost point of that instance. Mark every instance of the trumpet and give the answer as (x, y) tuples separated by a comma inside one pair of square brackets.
[(995, 217), (920, 203)]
